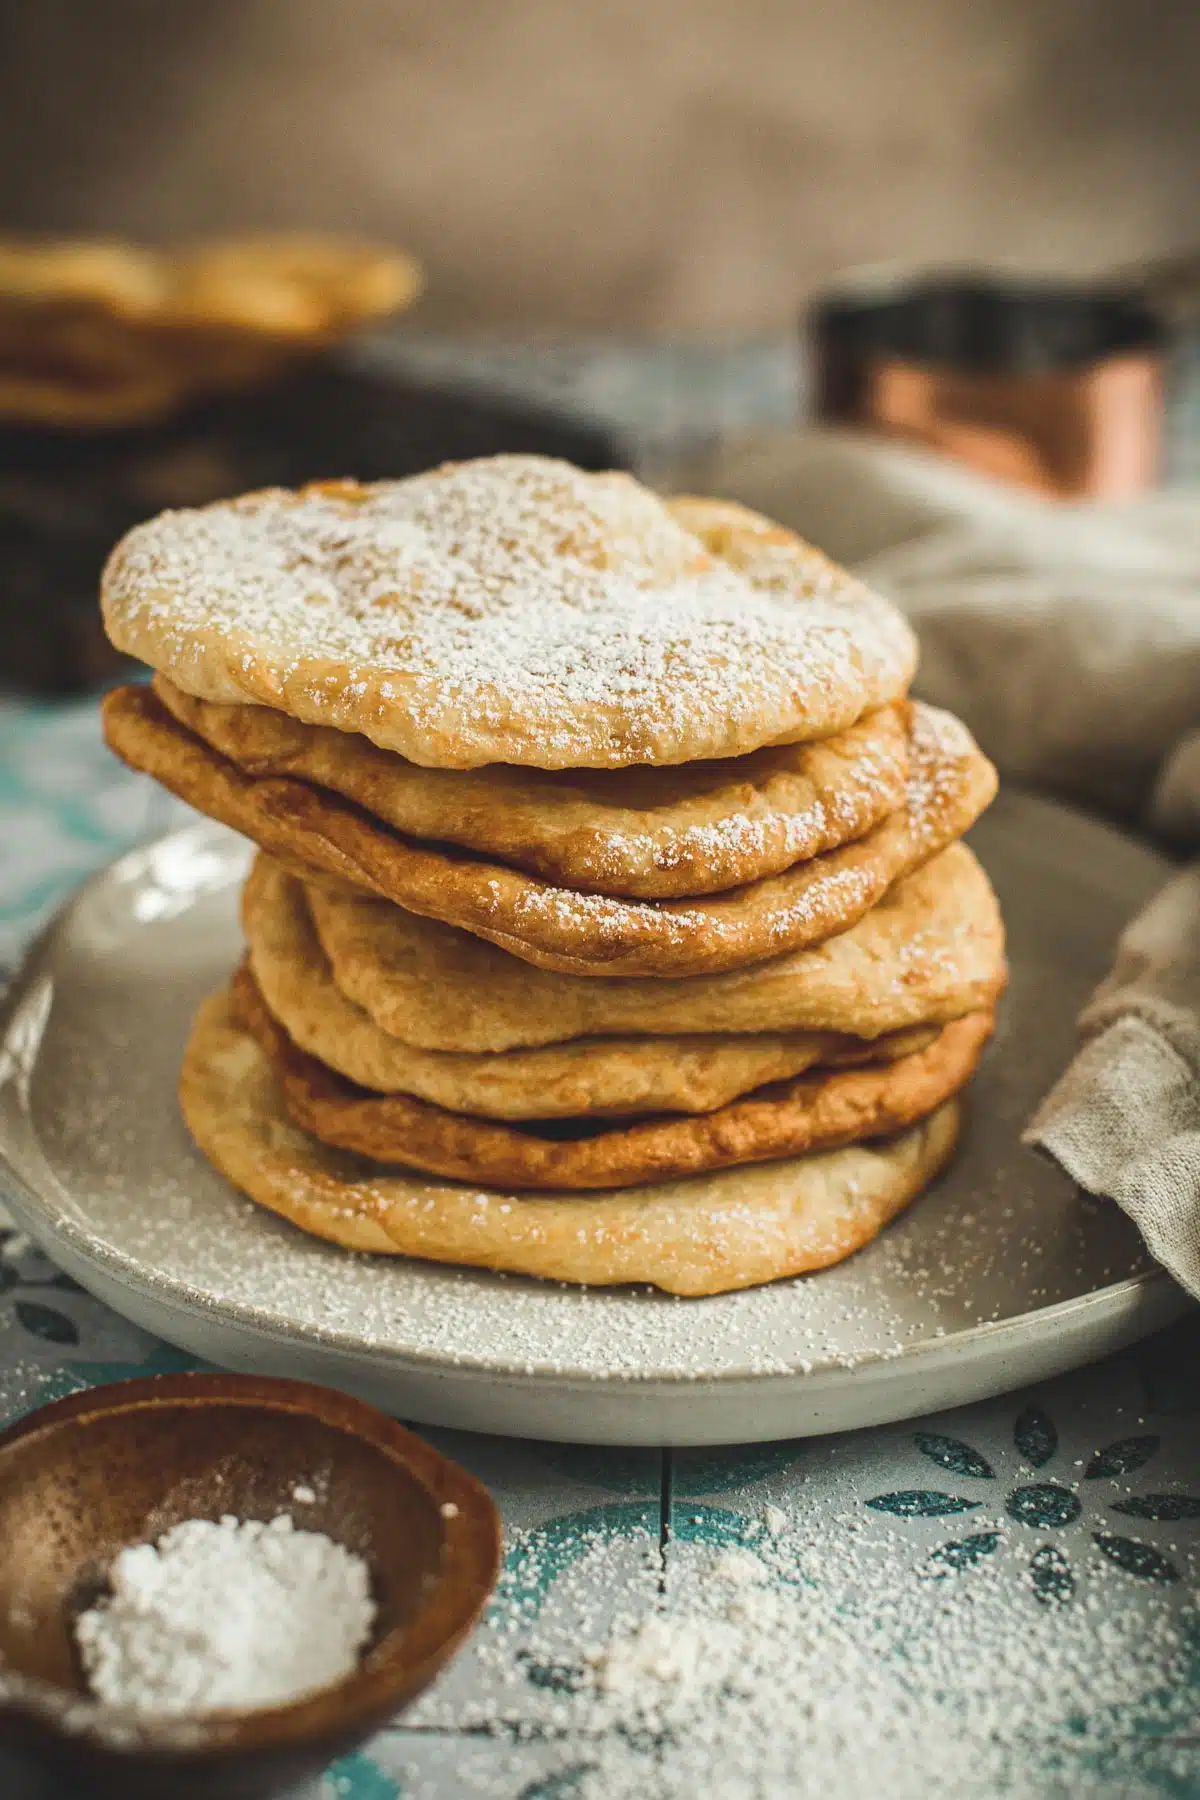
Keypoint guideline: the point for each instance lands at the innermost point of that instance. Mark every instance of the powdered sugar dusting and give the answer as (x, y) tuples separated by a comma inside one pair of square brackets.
[(513, 595), (941, 746), (745, 837)]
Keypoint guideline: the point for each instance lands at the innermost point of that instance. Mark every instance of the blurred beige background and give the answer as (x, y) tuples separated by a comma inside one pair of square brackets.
[(642, 165)]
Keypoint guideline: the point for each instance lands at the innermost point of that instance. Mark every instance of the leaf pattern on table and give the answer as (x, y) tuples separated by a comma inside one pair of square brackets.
[(1122, 1458), (539, 1556), (716, 1525), (1041, 1506), (46, 1322), (556, 1677), (358, 1778), (1136, 1558), (1043, 1503), (965, 1551), (717, 1471), (1035, 1436), (1050, 1573), (953, 1454), (566, 1784), (921, 1503), (1159, 1506)]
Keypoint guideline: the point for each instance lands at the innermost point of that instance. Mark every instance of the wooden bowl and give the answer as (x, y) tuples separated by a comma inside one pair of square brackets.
[(119, 1465)]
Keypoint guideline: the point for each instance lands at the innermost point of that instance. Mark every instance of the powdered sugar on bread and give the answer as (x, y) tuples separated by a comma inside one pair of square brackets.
[(513, 609)]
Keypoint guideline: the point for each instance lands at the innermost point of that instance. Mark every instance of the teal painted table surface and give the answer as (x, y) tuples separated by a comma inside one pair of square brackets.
[(998, 1601)]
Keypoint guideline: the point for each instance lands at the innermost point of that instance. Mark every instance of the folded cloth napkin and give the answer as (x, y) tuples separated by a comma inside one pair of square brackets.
[(1068, 638)]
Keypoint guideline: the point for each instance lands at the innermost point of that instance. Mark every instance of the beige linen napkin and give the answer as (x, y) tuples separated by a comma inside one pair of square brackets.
[(1068, 638)]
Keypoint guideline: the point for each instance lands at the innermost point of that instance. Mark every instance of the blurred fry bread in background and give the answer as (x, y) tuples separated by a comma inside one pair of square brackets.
[(101, 333)]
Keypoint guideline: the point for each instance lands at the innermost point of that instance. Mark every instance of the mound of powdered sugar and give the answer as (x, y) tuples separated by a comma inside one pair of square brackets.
[(235, 1614)]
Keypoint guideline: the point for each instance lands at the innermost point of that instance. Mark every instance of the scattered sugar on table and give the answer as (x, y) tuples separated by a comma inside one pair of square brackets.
[(794, 1664)]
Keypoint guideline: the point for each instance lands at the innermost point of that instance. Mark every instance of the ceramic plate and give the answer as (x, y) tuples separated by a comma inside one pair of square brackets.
[(1001, 1275)]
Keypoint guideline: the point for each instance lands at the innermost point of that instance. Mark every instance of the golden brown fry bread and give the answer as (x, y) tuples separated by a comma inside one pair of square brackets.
[(647, 834), (793, 1118), (932, 950), (309, 829), (298, 286), (592, 1076), (704, 1235), (513, 609), (96, 333)]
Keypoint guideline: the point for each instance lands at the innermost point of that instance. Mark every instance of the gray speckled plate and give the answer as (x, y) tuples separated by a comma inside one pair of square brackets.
[(1001, 1275)]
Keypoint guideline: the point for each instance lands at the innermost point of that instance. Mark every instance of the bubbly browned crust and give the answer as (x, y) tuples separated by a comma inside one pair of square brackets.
[(639, 833), (705, 1235), (793, 1118), (310, 829), (592, 1076)]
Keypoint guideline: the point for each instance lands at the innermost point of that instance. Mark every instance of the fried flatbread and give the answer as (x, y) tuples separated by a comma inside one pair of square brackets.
[(932, 950), (513, 609), (643, 834), (705, 1235), (100, 333), (593, 1076), (793, 1118), (310, 829)]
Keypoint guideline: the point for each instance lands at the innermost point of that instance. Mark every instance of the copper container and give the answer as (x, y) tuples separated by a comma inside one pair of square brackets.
[(1058, 389)]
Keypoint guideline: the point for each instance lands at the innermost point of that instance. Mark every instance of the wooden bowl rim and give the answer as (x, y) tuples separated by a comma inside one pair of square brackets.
[(404, 1661)]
